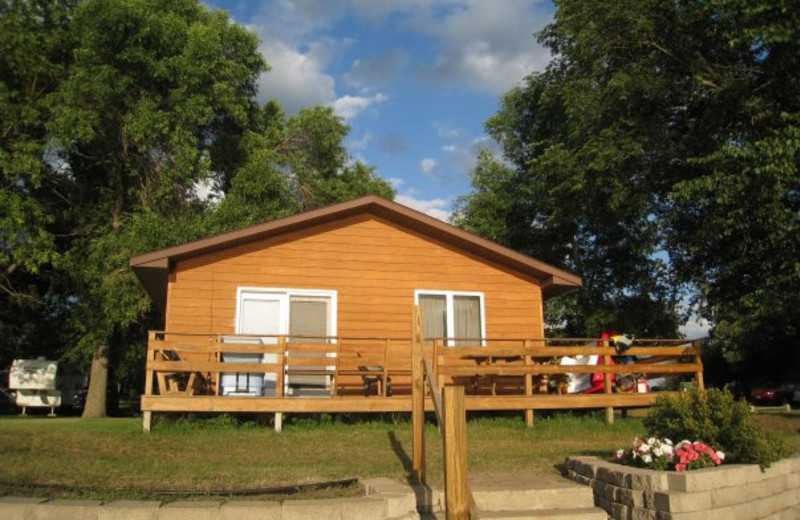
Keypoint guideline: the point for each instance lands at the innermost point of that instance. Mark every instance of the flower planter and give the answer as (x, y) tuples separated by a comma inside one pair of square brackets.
[(729, 492)]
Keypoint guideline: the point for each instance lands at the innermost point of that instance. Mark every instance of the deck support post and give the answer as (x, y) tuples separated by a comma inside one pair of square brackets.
[(278, 422), (417, 399), (455, 454), (698, 358), (147, 421), (607, 386), (528, 386)]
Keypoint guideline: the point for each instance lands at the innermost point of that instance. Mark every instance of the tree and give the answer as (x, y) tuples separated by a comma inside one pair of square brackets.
[(117, 110), (34, 53), (290, 165), (33, 42), (658, 153), (135, 121)]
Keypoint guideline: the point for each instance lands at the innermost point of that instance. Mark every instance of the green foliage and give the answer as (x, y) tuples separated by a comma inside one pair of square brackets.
[(718, 419), (657, 156), (114, 112)]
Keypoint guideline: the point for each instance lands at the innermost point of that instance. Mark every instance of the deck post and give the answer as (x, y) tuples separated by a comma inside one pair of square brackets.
[(698, 358), (455, 454), (528, 385), (607, 386), (385, 375), (279, 381), (147, 416), (417, 398), (148, 378)]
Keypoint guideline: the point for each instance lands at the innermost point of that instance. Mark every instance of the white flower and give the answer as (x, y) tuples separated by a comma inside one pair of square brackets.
[(651, 441), (647, 459), (644, 448), (658, 451), (667, 441), (668, 449), (620, 453), (721, 455)]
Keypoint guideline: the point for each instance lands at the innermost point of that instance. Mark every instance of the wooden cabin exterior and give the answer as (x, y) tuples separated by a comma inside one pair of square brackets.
[(336, 285), (371, 259)]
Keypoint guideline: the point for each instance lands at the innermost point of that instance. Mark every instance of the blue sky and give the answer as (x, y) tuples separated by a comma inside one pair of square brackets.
[(415, 79)]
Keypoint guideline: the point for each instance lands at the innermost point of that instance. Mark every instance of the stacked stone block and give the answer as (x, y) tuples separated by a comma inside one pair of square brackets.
[(727, 492), (385, 499)]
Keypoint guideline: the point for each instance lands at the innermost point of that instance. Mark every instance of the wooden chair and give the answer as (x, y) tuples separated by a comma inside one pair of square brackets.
[(182, 383)]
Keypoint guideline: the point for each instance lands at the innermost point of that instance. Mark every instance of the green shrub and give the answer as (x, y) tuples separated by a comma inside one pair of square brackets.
[(718, 419)]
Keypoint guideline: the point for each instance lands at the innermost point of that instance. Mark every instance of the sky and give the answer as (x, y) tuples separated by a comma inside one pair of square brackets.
[(414, 79)]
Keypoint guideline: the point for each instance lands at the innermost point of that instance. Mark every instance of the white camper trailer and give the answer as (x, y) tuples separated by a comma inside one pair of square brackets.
[(44, 383)]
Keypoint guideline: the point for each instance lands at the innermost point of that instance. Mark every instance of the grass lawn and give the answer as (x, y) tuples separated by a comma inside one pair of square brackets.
[(114, 454)]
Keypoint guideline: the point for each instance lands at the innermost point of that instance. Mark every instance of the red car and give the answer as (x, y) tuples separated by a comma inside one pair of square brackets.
[(775, 394)]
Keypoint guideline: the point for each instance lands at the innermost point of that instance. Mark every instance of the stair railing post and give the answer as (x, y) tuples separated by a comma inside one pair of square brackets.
[(455, 454), (417, 398)]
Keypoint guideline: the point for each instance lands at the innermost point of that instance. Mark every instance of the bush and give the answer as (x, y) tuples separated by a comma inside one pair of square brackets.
[(717, 418)]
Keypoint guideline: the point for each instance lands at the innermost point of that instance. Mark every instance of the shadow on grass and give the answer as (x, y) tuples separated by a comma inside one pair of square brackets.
[(422, 492), (405, 460)]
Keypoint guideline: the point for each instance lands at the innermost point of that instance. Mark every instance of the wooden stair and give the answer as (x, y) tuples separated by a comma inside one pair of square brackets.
[(527, 495), (517, 495)]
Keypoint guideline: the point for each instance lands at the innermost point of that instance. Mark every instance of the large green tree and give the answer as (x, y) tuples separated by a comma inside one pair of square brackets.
[(148, 88), (658, 154), (115, 114)]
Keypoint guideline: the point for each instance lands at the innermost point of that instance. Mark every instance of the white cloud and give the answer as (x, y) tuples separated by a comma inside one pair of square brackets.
[(462, 154), (436, 208), (445, 131), (360, 144), (350, 107), (428, 165), (377, 70), (396, 182), (695, 328), (486, 45), (297, 79)]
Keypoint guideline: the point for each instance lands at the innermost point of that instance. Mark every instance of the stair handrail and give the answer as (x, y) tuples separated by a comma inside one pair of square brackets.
[(452, 422)]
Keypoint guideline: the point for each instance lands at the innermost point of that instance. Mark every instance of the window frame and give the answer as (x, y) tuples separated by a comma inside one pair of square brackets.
[(286, 295), (450, 309)]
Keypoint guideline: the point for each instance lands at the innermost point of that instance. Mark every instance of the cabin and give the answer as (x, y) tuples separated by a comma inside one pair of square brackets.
[(313, 313)]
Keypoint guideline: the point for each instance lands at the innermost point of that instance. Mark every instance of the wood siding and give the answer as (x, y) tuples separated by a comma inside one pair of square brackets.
[(375, 267)]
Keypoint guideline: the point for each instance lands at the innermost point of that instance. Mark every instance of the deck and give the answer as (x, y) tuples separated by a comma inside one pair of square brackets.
[(285, 374)]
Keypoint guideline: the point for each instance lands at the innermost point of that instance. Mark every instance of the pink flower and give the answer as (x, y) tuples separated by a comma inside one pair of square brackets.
[(680, 467)]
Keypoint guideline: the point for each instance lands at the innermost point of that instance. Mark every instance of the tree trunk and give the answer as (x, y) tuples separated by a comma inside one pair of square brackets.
[(98, 381)]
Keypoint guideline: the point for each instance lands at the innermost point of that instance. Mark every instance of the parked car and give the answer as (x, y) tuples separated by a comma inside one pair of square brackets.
[(775, 394)]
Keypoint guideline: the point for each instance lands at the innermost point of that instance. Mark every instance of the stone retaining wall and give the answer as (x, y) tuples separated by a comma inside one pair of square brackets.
[(385, 499), (727, 492)]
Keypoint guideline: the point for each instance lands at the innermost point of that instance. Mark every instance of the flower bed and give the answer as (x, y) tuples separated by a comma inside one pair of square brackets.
[(655, 453), (730, 491)]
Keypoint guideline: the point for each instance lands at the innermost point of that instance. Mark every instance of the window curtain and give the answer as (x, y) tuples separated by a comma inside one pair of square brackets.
[(308, 316), (467, 320), (434, 312)]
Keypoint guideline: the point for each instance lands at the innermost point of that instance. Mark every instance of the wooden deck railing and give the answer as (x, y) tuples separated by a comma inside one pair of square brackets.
[(363, 374)]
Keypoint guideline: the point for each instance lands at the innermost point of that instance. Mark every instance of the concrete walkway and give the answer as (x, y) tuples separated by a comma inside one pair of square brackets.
[(517, 495)]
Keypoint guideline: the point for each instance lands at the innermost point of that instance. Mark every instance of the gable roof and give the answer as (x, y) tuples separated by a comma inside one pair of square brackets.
[(153, 268)]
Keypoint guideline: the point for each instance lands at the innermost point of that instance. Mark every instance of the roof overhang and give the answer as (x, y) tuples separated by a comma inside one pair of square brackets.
[(153, 268)]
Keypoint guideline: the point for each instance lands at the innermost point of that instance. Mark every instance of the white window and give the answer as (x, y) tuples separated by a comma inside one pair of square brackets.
[(266, 313), (457, 316), (298, 312)]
